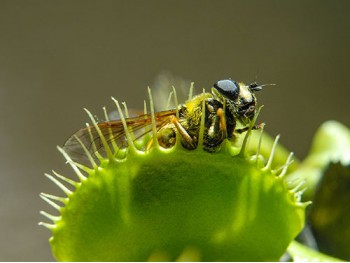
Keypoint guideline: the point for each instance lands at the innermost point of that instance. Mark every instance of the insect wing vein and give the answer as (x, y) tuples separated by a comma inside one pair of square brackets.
[(113, 131)]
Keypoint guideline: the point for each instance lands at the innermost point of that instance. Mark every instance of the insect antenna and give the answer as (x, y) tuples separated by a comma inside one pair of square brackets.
[(256, 87)]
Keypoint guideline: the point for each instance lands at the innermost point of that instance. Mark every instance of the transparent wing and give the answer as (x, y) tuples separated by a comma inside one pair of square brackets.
[(114, 133), (163, 85)]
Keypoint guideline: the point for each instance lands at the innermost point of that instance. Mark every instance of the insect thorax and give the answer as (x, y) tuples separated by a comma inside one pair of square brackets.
[(190, 115)]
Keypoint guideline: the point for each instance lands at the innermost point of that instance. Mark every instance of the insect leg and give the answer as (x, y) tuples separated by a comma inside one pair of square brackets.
[(184, 134), (222, 120), (255, 127)]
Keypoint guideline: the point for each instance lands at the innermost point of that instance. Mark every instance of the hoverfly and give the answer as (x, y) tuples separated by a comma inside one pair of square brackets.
[(228, 103)]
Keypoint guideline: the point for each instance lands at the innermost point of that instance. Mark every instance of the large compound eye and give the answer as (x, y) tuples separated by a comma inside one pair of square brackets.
[(227, 88)]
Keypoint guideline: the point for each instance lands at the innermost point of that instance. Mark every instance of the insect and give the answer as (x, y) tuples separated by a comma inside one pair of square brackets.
[(228, 103)]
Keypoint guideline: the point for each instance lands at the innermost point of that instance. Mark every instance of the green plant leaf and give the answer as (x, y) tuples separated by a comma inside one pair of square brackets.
[(222, 205), (301, 253), (331, 143), (169, 204)]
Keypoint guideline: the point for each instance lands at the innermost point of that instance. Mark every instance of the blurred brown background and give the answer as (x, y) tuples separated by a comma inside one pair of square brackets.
[(57, 57)]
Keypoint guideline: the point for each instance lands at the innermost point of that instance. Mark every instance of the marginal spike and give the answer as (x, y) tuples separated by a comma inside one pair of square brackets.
[(202, 124), (169, 100), (281, 168), (147, 128), (272, 154), (298, 186), (59, 184), (300, 193), (245, 141), (176, 102), (246, 137), (178, 135), (50, 202), (47, 225), (291, 183), (102, 137), (71, 163), (63, 178), (92, 161), (127, 116), (154, 130), (55, 197), (105, 113), (83, 167), (111, 137), (96, 153), (305, 204), (126, 129), (190, 93), (286, 165), (125, 109), (144, 107), (259, 143), (50, 217)]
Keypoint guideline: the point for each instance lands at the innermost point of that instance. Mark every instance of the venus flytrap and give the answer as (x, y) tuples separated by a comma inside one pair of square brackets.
[(331, 144), (150, 202)]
